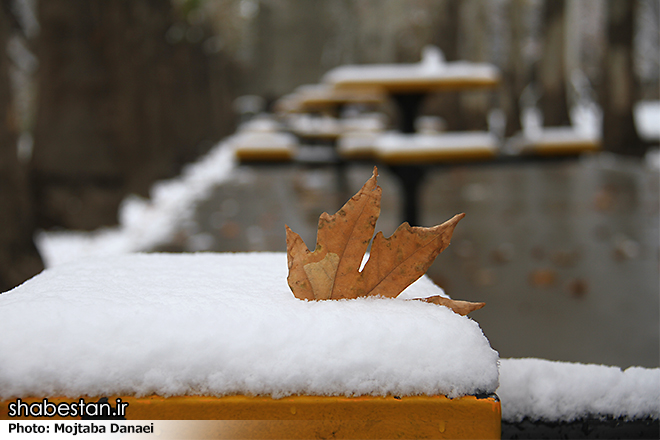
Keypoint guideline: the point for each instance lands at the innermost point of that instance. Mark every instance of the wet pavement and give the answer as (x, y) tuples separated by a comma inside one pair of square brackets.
[(565, 255)]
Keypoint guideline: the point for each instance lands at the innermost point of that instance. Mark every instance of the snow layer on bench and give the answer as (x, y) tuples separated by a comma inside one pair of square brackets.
[(539, 389), (218, 324)]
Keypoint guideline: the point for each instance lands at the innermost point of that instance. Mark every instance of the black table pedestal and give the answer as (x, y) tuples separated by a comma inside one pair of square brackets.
[(410, 176)]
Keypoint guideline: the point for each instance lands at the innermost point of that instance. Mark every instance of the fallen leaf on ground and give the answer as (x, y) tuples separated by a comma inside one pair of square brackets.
[(543, 277), (332, 271)]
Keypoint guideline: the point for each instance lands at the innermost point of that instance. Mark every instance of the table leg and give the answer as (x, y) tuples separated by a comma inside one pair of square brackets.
[(411, 178), (408, 105)]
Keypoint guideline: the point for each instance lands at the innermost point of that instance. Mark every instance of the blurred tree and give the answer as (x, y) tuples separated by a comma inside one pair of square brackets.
[(620, 85), (19, 259), (551, 69), (460, 30), (290, 41), (445, 36), (515, 72), (475, 36), (446, 28), (127, 94)]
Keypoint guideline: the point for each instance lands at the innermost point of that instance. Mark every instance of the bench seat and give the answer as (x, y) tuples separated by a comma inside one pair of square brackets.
[(556, 141), (397, 148), (265, 146)]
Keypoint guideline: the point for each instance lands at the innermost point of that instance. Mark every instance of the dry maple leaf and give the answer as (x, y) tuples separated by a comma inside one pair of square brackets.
[(332, 271)]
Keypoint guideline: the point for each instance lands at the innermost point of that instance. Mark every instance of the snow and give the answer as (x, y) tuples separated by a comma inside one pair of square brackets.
[(586, 118), (144, 224), (313, 96), (439, 146), (431, 67), (647, 119), (218, 324), (263, 137), (357, 144), (309, 125), (364, 122), (101, 322), (262, 123), (539, 389), (204, 324), (553, 140), (246, 143), (395, 147)]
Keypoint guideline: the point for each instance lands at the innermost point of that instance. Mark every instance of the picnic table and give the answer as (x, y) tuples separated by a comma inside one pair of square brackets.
[(327, 99), (408, 85), (407, 153)]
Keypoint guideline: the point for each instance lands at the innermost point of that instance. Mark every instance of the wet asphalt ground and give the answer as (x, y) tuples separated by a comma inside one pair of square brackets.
[(566, 255)]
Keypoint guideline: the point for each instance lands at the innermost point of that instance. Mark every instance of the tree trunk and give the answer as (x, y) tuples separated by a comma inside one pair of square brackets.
[(620, 85), (460, 32), (474, 46), (124, 100), (460, 29), (290, 40), (515, 73), (445, 22), (551, 67), (19, 259)]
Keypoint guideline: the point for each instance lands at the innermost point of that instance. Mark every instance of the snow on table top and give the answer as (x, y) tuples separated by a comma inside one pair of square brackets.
[(432, 67), (367, 73), (458, 141), (217, 324), (264, 141), (559, 135), (539, 389)]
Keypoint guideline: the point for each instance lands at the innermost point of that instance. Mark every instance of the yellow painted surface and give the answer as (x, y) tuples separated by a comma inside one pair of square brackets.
[(329, 135), (357, 153), (421, 84), (338, 97), (265, 155), (319, 417), (564, 148), (437, 155)]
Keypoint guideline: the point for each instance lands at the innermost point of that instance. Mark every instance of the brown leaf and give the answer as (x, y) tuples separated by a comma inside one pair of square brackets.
[(460, 307), (332, 270), (398, 261)]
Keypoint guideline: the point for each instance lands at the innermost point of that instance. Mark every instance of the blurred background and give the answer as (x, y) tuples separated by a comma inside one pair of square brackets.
[(100, 100)]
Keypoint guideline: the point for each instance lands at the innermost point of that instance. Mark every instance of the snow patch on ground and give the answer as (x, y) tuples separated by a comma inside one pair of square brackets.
[(144, 224), (647, 119)]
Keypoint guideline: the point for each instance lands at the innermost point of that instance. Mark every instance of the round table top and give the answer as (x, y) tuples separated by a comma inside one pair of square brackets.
[(419, 77), (324, 96)]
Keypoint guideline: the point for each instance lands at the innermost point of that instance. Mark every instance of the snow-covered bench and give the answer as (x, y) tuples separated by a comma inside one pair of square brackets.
[(555, 141), (263, 140), (220, 336), (395, 148), (398, 148), (205, 329), (545, 399), (327, 99)]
